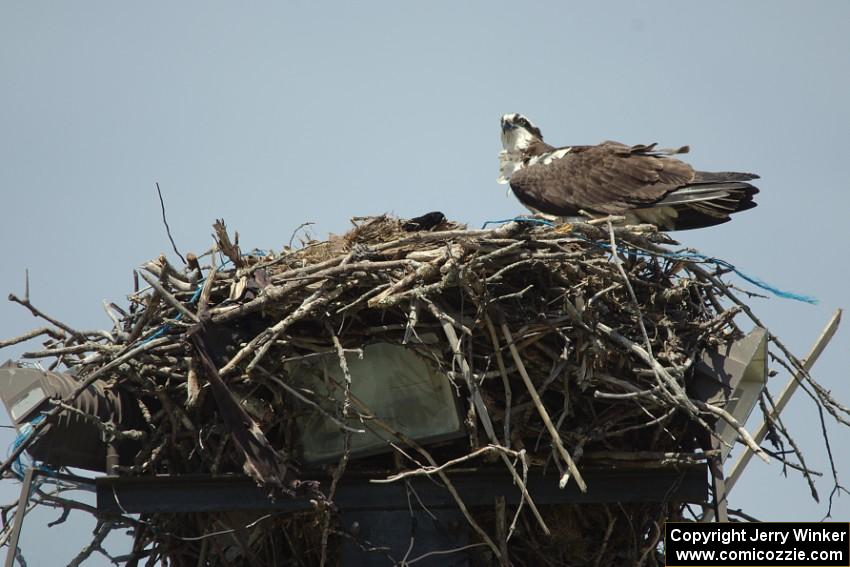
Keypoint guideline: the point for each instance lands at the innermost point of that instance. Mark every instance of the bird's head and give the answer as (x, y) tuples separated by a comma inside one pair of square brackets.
[(520, 139), (518, 133)]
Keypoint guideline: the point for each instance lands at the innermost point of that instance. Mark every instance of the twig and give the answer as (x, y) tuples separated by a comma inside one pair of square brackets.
[(321, 297), (101, 531), (170, 299), (37, 313), (165, 222), (544, 415), (58, 335), (443, 477), (74, 349), (427, 471), (262, 462), (316, 407), (443, 552), (225, 246), (483, 415), (346, 441), (612, 521), (502, 529), (506, 384), (108, 429), (297, 228), (619, 264), (742, 433)]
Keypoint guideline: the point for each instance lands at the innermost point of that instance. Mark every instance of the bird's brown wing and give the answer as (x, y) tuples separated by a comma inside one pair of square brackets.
[(609, 178)]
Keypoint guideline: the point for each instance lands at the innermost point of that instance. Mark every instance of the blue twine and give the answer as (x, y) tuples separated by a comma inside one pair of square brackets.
[(197, 293), (518, 219), (158, 333), (688, 256), (693, 256), (697, 257), (25, 433), (166, 327)]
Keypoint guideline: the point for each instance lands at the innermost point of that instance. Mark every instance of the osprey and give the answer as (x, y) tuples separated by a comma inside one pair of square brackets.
[(642, 183)]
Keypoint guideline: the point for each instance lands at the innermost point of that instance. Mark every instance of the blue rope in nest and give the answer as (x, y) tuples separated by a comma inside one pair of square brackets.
[(165, 328), (687, 256), (19, 467), (518, 219)]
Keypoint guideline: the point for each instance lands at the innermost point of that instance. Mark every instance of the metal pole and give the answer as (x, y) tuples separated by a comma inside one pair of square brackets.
[(19, 516)]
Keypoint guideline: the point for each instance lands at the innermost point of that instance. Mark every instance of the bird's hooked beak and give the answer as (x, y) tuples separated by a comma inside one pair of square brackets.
[(507, 124)]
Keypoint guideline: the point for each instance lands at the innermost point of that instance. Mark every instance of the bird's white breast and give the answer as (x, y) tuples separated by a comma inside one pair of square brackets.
[(549, 157), (511, 161)]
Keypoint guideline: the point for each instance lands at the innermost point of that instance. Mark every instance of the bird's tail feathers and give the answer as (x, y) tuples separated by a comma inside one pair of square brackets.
[(710, 200), (720, 176), (724, 197)]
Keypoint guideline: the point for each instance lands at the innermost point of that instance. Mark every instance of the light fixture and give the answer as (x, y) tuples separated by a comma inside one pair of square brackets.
[(71, 439), (732, 376), (400, 386)]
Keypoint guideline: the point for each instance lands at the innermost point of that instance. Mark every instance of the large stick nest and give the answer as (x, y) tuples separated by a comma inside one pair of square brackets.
[(587, 330)]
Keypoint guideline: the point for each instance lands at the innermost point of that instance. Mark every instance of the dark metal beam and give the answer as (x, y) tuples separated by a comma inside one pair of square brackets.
[(201, 493)]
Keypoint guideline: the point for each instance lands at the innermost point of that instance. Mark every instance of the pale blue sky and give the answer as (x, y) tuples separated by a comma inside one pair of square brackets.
[(269, 115)]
